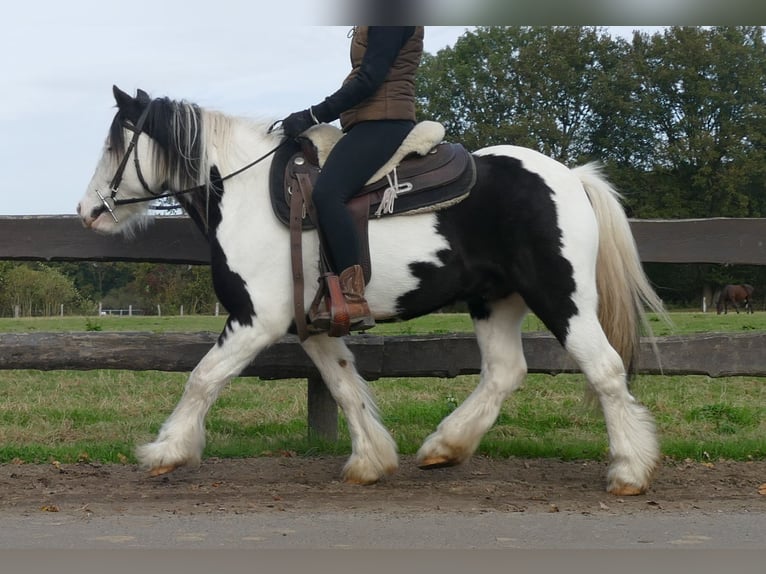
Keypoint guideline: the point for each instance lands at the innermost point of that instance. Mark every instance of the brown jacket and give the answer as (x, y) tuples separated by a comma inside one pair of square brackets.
[(395, 99)]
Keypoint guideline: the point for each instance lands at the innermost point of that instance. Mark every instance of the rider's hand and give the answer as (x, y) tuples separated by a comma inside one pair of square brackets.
[(297, 123)]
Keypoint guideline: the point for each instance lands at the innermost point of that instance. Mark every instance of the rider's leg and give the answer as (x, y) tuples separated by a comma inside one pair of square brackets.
[(353, 160)]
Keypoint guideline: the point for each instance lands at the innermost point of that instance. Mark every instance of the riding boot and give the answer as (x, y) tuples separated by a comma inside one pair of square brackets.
[(351, 287)]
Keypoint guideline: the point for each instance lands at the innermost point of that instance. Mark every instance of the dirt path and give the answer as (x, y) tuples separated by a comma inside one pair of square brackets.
[(311, 484)]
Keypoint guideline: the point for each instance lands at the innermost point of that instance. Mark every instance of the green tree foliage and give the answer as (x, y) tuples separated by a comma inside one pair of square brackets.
[(173, 286), (526, 86), (704, 102), (37, 290), (94, 280)]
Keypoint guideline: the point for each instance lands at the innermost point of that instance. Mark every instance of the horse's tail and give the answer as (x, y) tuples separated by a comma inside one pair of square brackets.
[(623, 289)]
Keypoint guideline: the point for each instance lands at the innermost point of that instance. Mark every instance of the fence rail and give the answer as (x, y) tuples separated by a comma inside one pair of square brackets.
[(712, 354), (62, 238), (176, 240)]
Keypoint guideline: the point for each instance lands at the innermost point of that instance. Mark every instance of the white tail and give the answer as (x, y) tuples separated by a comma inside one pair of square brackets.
[(623, 288)]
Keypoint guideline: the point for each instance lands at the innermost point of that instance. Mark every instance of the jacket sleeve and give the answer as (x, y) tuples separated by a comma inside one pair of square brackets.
[(383, 45)]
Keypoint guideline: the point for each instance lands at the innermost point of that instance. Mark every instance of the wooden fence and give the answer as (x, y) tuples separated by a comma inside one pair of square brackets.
[(174, 239)]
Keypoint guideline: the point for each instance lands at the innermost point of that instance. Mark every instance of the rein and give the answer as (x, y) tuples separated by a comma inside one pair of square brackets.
[(137, 130)]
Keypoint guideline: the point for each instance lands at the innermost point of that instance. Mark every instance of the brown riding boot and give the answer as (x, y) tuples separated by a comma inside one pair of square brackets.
[(352, 286), (341, 316)]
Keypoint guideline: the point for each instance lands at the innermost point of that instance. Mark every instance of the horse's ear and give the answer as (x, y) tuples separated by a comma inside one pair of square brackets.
[(123, 100), (142, 96), (129, 106)]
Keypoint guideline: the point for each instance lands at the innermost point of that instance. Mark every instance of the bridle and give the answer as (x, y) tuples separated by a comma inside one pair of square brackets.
[(114, 185)]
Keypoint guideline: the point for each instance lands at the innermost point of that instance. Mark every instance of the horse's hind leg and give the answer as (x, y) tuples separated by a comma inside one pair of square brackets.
[(373, 451), (503, 368), (181, 439), (633, 447)]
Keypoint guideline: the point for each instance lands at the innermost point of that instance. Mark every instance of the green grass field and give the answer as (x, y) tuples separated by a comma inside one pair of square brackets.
[(102, 415), (683, 323)]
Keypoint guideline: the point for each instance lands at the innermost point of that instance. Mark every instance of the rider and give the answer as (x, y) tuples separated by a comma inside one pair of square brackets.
[(376, 107)]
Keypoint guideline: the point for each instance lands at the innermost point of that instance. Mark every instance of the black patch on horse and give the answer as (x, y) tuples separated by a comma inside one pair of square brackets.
[(504, 239), (229, 286)]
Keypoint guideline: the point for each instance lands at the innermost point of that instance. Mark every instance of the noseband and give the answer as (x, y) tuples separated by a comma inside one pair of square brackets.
[(137, 129)]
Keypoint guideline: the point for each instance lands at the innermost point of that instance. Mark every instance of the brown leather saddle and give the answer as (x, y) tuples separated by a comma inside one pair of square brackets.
[(442, 177)]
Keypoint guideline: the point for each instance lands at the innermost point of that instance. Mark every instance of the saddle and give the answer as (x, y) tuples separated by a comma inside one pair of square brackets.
[(425, 174)]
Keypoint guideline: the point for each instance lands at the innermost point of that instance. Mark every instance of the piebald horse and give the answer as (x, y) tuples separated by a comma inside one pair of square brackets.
[(532, 234)]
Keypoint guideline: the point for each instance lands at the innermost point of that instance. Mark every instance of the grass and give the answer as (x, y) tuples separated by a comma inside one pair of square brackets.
[(101, 415), (684, 322)]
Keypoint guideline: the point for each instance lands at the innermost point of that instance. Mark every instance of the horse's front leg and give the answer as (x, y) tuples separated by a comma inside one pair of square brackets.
[(181, 438), (373, 450)]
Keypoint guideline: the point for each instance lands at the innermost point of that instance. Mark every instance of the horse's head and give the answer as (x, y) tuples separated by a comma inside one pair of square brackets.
[(151, 145), (117, 173)]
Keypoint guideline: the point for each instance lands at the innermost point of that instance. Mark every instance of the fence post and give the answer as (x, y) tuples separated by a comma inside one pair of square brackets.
[(217, 309), (322, 410), (16, 311), (62, 309)]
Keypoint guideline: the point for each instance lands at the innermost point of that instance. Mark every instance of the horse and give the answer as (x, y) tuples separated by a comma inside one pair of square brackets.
[(734, 294), (532, 234)]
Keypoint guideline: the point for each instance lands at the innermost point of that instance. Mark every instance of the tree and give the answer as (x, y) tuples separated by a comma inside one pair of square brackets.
[(37, 290), (173, 286), (94, 279), (527, 86), (704, 102)]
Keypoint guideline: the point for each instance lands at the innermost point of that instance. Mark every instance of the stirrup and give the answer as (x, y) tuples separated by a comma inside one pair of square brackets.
[(330, 310)]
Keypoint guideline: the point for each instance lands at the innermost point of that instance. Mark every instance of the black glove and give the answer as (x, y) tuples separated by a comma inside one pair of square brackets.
[(297, 123)]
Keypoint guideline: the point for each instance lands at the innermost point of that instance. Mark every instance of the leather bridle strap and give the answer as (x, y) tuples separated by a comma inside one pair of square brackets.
[(114, 185), (155, 196), (139, 126)]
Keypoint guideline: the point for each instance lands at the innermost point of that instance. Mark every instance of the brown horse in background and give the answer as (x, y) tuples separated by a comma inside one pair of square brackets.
[(735, 294)]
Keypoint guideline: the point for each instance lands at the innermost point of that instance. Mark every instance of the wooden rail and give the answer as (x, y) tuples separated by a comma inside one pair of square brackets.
[(62, 238), (712, 354)]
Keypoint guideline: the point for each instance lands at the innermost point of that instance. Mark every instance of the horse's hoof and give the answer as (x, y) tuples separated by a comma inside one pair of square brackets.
[(360, 481), (626, 490), (431, 462), (160, 470)]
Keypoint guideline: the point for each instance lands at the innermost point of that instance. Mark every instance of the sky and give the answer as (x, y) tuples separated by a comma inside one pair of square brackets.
[(60, 60)]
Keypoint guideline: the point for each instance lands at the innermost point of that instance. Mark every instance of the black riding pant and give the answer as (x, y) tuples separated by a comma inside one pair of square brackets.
[(354, 159)]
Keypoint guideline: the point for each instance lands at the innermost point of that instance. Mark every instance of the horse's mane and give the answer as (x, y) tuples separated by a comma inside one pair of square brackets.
[(179, 129), (185, 134)]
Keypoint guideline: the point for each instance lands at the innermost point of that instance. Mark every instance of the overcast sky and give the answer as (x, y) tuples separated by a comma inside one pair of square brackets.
[(60, 61)]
